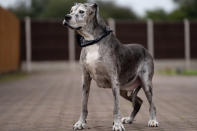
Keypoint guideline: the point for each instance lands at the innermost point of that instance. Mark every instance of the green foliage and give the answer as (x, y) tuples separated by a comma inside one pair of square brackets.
[(13, 76), (177, 71), (45, 9), (58, 8), (158, 14), (184, 2), (20, 10), (177, 15), (109, 9), (185, 9), (38, 6)]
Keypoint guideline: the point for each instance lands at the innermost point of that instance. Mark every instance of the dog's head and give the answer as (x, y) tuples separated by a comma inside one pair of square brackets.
[(80, 15)]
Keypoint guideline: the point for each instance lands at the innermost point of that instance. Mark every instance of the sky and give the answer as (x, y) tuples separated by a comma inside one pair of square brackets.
[(139, 6)]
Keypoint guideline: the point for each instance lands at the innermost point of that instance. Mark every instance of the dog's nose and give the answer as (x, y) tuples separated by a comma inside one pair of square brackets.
[(67, 17)]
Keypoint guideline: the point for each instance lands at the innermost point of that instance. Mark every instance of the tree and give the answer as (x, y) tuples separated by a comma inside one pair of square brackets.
[(109, 9), (183, 2), (38, 6), (57, 8), (43, 8), (157, 14), (20, 9), (186, 9)]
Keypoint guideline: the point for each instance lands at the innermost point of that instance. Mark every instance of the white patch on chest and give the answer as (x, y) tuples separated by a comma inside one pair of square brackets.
[(95, 66), (92, 54)]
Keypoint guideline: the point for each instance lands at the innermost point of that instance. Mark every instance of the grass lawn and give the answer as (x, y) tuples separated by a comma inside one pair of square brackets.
[(12, 76), (188, 72)]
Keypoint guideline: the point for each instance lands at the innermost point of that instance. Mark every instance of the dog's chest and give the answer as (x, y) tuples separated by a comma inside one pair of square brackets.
[(92, 55), (94, 63)]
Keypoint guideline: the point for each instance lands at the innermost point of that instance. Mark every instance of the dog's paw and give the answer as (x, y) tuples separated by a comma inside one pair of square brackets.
[(126, 120), (118, 126), (153, 123), (79, 125)]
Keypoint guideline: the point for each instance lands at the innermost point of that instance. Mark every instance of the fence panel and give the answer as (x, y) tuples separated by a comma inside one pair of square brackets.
[(169, 40), (9, 41), (49, 41), (132, 32), (193, 38)]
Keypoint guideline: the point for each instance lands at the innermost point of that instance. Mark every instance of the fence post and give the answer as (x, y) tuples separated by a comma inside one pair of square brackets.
[(71, 44), (112, 24), (187, 43), (150, 36), (28, 43)]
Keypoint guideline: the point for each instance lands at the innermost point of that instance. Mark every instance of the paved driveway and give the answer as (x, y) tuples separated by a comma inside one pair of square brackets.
[(51, 101)]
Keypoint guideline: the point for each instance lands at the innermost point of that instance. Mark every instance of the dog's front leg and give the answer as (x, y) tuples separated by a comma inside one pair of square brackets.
[(86, 80), (117, 124)]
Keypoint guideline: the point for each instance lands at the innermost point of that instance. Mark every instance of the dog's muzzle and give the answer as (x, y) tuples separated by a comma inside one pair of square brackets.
[(65, 23), (68, 18)]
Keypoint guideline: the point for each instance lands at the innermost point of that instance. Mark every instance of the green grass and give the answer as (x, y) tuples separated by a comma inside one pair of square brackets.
[(12, 76), (188, 72)]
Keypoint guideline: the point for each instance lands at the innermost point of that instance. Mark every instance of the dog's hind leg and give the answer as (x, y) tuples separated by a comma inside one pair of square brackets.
[(146, 79), (136, 101)]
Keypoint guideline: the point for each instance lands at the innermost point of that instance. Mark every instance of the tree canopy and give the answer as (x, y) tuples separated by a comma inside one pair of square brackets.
[(45, 9), (58, 8), (157, 14), (185, 9)]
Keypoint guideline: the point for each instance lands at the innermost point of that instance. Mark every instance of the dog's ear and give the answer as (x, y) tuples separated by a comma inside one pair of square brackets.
[(98, 17), (94, 5), (76, 4), (96, 8)]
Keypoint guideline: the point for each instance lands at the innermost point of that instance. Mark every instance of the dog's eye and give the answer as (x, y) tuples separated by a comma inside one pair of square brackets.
[(81, 11)]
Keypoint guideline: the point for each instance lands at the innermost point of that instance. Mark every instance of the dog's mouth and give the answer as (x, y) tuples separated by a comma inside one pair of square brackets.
[(67, 25)]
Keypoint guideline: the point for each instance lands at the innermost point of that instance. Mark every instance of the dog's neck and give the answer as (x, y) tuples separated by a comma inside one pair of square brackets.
[(91, 31)]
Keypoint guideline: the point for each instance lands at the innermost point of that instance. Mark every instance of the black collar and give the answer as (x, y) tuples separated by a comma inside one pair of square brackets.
[(83, 42)]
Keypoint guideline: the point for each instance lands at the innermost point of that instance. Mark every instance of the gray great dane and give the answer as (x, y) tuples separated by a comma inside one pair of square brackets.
[(123, 68)]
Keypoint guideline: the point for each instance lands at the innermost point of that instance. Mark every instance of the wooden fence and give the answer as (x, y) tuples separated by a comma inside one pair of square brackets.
[(193, 37), (50, 39), (9, 41)]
